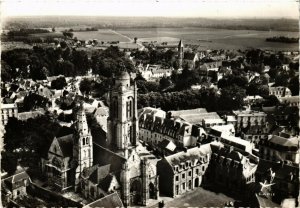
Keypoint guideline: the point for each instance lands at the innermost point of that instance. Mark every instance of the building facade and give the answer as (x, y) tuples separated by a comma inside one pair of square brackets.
[(183, 171), (8, 110), (137, 176)]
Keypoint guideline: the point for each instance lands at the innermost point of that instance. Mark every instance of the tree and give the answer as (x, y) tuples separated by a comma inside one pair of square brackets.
[(59, 83), (164, 83), (135, 39), (80, 61), (85, 86), (282, 79), (13, 139), (294, 85), (9, 161), (33, 101), (232, 98), (53, 29)]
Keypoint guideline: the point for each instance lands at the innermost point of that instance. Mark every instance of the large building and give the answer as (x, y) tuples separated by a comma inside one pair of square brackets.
[(231, 169), (122, 165), (183, 171), (281, 147)]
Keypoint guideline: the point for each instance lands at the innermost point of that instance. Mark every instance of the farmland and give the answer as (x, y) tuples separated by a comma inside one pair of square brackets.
[(209, 38)]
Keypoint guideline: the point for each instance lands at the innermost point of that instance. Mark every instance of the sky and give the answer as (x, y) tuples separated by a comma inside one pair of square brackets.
[(166, 8)]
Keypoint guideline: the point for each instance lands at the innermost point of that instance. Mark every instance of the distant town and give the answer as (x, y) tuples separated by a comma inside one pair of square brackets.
[(136, 121)]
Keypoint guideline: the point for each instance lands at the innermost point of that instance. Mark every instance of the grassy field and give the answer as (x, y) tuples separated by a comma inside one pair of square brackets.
[(209, 38)]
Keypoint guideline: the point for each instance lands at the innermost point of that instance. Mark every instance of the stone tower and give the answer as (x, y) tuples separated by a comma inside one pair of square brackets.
[(122, 123), (180, 53), (83, 143)]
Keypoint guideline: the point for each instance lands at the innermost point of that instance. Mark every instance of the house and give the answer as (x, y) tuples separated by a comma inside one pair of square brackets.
[(280, 92), (15, 185), (32, 114), (249, 118), (183, 171), (45, 92), (211, 66)]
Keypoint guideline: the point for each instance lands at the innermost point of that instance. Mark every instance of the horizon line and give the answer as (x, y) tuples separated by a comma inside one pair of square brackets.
[(183, 17)]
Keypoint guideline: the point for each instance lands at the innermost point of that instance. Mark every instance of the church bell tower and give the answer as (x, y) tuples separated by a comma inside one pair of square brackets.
[(122, 123), (83, 144)]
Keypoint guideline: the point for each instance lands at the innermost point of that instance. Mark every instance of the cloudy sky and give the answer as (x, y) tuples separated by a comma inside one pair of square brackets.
[(168, 8)]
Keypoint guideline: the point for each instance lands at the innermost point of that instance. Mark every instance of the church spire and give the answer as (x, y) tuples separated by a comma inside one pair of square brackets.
[(180, 53)]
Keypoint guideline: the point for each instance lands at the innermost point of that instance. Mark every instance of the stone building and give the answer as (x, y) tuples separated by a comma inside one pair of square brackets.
[(69, 155), (251, 125), (121, 165), (231, 169), (183, 171), (154, 129), (14, 185), (134, 166), (281, 147)]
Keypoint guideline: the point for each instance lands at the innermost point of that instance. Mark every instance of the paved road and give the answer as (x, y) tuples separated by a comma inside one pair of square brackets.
[(125, 36)]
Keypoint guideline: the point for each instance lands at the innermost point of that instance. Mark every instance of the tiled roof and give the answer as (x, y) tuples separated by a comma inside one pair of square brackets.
[(188, 112), (111, 200), (191, 154)]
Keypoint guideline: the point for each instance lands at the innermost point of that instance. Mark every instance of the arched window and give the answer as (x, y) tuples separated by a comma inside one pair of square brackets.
[(83, 141), (87, 140)]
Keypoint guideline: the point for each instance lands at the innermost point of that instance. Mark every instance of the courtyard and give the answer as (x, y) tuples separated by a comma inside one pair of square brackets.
[(197, 198)]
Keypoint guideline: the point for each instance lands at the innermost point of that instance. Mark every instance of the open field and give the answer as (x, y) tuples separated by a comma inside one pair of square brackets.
[(100, 35), (209, 38)]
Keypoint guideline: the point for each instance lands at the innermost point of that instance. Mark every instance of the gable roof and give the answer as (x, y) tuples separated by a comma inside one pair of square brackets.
[(111, 200), (66, 145)]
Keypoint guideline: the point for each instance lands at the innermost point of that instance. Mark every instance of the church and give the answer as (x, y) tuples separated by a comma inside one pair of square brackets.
[(82, 163)]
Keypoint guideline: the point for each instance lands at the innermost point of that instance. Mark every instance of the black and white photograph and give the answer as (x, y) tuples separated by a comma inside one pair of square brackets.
[(149, 103)]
